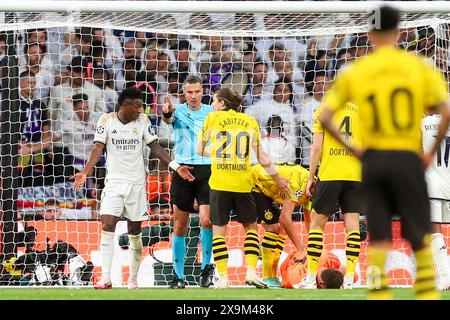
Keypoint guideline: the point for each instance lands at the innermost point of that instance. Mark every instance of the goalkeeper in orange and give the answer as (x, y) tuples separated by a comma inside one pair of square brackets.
[(277, 224), (330, 271)]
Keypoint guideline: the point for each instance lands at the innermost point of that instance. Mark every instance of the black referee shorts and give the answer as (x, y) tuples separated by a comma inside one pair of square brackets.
[(330, 194), (268, 212), (222, 202), (183, 193), (394, 183)]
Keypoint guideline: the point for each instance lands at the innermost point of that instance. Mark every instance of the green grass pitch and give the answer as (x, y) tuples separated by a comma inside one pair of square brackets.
[(55, 293)]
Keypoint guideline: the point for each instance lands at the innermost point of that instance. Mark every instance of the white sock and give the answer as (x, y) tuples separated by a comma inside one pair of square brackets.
[(310, 278), (107, 253), (135, 253), (439, 251)]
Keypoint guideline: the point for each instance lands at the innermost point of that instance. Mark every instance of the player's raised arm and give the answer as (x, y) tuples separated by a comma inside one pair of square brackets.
[(266, 162), (168, 109), (94, 157), (161, 154)]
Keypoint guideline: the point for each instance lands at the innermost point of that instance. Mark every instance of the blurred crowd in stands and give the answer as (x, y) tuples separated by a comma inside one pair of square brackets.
[(70, 76)]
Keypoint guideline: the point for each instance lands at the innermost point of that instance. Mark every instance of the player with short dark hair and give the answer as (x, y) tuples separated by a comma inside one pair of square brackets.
[(331, 278), (277, 224), (330, 273), (187, 120), (231, 134), (392, 89), (124, 134)]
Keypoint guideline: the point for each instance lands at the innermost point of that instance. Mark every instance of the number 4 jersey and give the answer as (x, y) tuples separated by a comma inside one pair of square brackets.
[(337, 162), (231, 135), (438, 173)]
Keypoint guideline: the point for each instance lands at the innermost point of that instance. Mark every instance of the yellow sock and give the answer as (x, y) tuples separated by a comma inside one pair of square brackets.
[(352, 249), (267, 249), (277, 253), (251, 248), (425, 287), (376, 275), (315, 248), (220, 254)]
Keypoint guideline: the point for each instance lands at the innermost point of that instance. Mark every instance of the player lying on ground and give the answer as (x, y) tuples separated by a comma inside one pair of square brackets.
[(124, 134), (276, 224), (231, 133), (330, 271)]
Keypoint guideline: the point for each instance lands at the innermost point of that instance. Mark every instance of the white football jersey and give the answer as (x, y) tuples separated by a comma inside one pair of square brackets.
[(124, 147), (438, 173)]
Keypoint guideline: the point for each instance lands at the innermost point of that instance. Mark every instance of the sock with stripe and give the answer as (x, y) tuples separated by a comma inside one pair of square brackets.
[(251, 248), (206, 236), (269, 243), (439, 251), (277, 253), (179, 253), (352, 249), (220, 254), (377, 281), (425, 287), (315, 248)]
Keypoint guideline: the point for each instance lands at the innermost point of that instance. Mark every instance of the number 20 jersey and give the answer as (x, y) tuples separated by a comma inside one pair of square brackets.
[(232, 135), (438, 173)]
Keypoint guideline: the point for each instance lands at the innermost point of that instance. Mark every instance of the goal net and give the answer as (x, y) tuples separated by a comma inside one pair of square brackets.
[(61, 71)]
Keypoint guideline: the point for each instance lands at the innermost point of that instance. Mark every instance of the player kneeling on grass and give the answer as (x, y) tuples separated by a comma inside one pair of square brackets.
[(124, 134), (265, 194), (330, 272), (231, 133), (339, 181)]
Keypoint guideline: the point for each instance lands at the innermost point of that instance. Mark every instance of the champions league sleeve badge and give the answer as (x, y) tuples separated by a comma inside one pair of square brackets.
[(100, 129)]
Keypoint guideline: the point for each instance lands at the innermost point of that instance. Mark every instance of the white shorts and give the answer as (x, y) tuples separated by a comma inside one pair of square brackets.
[(440, 211), (125, 200)]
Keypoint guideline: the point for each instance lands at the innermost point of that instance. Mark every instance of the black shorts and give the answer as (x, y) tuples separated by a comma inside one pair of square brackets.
[(268, 212), (394, 183), (330, 194), (222, 202), (183, 193)]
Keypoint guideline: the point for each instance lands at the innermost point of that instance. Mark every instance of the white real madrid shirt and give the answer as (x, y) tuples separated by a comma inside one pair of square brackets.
[(125, 145), (438, 173)]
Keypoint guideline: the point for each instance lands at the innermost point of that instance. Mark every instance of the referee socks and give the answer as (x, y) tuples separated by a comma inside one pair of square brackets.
[(179, 253)]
